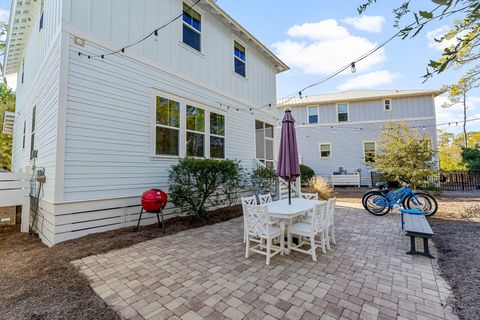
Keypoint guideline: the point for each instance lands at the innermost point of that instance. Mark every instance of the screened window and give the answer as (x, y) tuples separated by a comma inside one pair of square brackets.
[(195, 132), (192, 27), (342, 111), (313, 114), (387, 104), (240, 59), (325, 150), (217, 136), (32, 136), (264, 142), (369, 152), (167, 127)]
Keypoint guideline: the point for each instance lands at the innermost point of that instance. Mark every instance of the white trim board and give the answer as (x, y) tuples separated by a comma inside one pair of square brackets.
[(364, 122)]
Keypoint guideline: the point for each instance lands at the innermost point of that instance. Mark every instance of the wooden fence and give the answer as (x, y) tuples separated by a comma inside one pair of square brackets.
[(445, 180)]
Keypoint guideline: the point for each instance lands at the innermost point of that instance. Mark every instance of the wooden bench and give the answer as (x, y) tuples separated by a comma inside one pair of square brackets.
[(345, 179), (416, 225)]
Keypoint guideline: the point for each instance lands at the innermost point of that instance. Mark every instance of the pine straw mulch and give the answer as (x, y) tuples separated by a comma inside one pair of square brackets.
[(37, 282)]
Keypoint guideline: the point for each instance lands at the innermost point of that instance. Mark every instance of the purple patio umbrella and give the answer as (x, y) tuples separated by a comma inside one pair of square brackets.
[(288, 167)]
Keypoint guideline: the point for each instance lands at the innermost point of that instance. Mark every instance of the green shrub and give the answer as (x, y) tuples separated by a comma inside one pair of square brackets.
[(306, 173), (264, 180), (196, 184), (471, 212)]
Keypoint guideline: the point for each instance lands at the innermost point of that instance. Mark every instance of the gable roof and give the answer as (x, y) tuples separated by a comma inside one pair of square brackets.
[(22, 14), (355, 95)]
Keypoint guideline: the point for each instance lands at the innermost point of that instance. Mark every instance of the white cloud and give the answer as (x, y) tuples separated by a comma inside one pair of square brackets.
[(325, 48), (454, 114), (437, 34), (4, 15), (369, 80), (325, 29), (366, 23)]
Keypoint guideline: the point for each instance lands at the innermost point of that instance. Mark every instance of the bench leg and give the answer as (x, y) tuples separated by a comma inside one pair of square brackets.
[(413, 250), (426, 250)]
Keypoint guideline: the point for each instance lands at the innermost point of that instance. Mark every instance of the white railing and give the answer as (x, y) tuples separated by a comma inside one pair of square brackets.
[(15, 191)]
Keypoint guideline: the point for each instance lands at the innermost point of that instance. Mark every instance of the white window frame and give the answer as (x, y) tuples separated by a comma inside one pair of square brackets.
[(235, 57), (374, 146), (389, 104), (182, 144), (155, 125), (264, 145), (348, 112), (317, 114), (210, 134), (192, 28), (204, 133), (320, 149)]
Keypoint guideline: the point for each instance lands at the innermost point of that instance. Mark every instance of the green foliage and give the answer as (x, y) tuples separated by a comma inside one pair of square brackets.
[(471, 157), (264, 179), (404, 152), (472, 211), (7, 103), (449, 151), (196, 184), (306, 173)]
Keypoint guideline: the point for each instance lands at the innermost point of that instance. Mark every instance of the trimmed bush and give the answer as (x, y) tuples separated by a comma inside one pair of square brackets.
[(196, 184), (264, 180), (306, 173)]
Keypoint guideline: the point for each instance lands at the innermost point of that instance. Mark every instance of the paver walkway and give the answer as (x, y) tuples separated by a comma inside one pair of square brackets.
[(203, 274)]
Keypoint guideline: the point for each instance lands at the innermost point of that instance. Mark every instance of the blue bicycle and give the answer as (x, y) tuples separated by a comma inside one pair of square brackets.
[(380, 202)]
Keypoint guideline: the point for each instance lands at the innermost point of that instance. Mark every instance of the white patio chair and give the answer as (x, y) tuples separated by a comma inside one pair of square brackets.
[(260, 226), (330, 222), (309, 196), (310, 231), (265, 198), (247, 201)]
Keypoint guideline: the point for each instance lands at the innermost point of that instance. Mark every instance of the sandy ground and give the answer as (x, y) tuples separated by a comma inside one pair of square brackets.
[(458, 243), (37, 282)]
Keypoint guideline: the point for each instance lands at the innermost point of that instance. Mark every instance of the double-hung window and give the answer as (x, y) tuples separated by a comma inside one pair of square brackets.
[(167, 127), (192, 27), (240, 59), (325, 150), (264, 142), (369, 152), (195, 132), (32, 135), (342, 112), (387, 104), (313, 114), (217, 136)]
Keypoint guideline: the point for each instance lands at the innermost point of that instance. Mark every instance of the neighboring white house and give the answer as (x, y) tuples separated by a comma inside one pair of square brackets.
[(340, 130), (107, 129)]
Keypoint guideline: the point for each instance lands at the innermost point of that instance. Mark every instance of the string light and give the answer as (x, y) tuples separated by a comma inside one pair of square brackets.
[(353, 67)]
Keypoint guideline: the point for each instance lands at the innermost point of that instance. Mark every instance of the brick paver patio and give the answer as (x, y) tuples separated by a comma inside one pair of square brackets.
[(203, 274)]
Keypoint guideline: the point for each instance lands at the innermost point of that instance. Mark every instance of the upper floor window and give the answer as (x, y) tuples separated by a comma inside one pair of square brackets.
[(195, 132), (32, 136), (387, 104), (217, 136), (313, 114), (167, 131), (42, 10), (264, 142), (240, 58), (369, 152), (342, 112), (325, 150), (192, 27)]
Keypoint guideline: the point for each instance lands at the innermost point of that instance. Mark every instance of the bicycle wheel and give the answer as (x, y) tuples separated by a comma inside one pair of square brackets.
[(423, 202), (377, 204), (364, 198)]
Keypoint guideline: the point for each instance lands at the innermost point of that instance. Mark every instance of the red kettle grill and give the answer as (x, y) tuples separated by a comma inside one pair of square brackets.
[(153, 201)]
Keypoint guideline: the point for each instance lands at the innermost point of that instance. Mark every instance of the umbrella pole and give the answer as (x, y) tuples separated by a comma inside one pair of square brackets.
[(289, 193)]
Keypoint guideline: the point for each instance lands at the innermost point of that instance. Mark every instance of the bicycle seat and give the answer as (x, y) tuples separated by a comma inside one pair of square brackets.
[(382, 185)]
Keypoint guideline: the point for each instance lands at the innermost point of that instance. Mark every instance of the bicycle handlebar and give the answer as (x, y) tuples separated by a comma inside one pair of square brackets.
[(404, 180)]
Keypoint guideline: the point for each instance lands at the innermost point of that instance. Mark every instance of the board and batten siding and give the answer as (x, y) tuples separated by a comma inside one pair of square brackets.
[(116, 23), (373, 110), (109, 143)]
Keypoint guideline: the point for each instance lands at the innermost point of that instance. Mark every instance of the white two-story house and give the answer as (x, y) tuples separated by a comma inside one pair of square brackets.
[(106, 120), (340, 130)]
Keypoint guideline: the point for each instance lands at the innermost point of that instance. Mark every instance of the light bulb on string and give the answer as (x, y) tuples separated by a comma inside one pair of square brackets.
[(155, 33), (353, 67)]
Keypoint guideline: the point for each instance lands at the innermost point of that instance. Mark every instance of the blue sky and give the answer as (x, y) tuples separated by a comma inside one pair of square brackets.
[(317, 37)]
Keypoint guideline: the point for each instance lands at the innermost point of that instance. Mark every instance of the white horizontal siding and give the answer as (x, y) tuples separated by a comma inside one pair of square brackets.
[(121, 22), (108, 134)]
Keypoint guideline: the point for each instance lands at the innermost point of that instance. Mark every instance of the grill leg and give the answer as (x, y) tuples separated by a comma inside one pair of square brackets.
[(163, 222), (139, 219)]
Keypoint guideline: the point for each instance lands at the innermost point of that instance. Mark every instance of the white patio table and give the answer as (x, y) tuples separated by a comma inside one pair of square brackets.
[(280, 209)]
